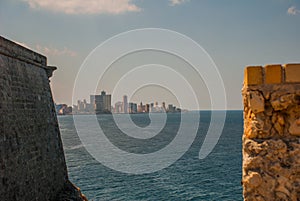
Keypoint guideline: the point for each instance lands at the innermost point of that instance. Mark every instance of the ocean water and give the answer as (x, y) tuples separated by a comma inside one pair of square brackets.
[(217, 177)]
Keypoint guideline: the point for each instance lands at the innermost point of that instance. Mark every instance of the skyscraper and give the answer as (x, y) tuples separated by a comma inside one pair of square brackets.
[(164, 106), (132, 108), (103, 103), (80, 106), (107, 103), (119, 107), (92, 102), (125, 104), (147, 108), (140, 108), (171, 108)]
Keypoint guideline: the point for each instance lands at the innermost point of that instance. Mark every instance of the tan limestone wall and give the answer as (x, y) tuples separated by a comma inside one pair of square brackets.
[(271, 140)]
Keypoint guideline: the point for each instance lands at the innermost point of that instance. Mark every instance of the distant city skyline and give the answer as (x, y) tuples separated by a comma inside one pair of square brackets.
[(234, 33), (101, 103)]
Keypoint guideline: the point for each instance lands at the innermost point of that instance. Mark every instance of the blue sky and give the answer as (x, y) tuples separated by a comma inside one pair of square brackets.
[(235, 33)]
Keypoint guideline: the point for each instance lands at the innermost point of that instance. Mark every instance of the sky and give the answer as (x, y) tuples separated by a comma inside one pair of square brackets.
[(235, 34)]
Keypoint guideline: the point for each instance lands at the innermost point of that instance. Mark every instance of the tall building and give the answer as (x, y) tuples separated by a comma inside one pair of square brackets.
[(140, 108), (132, 108), (171, 108), (99, 105), (164, 106), (85, 106), (107, 103), (125, 104), (80, 106), (118, 107), (151, 107), (155, 107), (103, 103), (92, 103), (147, 108)]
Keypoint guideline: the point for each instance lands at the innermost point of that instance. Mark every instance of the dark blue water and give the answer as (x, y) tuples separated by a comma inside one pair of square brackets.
[(217, 177)]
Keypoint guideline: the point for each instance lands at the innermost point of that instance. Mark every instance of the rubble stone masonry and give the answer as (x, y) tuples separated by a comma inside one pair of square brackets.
[(271, 140), (32, 162)]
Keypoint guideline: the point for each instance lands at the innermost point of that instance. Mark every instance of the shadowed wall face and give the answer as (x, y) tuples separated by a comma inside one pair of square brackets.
[(32, 163), (271, 140)]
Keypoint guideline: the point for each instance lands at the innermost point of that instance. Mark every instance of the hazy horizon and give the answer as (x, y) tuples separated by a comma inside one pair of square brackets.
[(234, 33)]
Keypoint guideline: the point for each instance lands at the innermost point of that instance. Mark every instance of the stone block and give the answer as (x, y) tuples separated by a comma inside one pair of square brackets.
[(273, 74), (253, 75), (256, 102), (295, 127), (292, 73)]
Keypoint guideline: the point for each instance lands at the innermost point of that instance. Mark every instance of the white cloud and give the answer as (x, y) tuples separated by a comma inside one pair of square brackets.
[(293, 11), (177, 2), (50, 51), (85, 6)]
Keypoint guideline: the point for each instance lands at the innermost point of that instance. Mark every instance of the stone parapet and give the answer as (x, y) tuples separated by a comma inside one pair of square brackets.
[(15, 51), (272, 74)]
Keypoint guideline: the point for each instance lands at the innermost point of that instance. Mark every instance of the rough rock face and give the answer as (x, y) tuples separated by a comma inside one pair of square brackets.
[(70, 193), (32, 162), (271, 140)]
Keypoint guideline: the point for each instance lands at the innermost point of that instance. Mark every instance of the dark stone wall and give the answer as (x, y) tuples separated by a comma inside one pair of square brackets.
[(32, 162)]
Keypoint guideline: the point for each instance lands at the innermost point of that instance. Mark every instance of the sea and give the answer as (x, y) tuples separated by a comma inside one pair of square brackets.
[(216, 177)]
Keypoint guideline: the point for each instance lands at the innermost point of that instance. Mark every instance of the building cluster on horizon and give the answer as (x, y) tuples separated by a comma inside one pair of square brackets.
[(132, 108), (63, 109), (101, 104)]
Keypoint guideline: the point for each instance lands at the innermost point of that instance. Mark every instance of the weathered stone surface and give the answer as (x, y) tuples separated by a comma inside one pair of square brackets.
[(253, 179), (283, 102), (271, 141), (256, 102), (253, 75), (258, 126), (273, 74), (32, 162), (292, 73), (295, 127), (70, 193)]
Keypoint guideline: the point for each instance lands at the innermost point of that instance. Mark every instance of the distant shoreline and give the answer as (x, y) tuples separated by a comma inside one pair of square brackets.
[(189, 111)]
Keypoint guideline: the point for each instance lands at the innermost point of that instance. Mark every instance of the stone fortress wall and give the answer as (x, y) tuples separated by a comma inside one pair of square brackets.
[(32, 162), (271, 140)]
